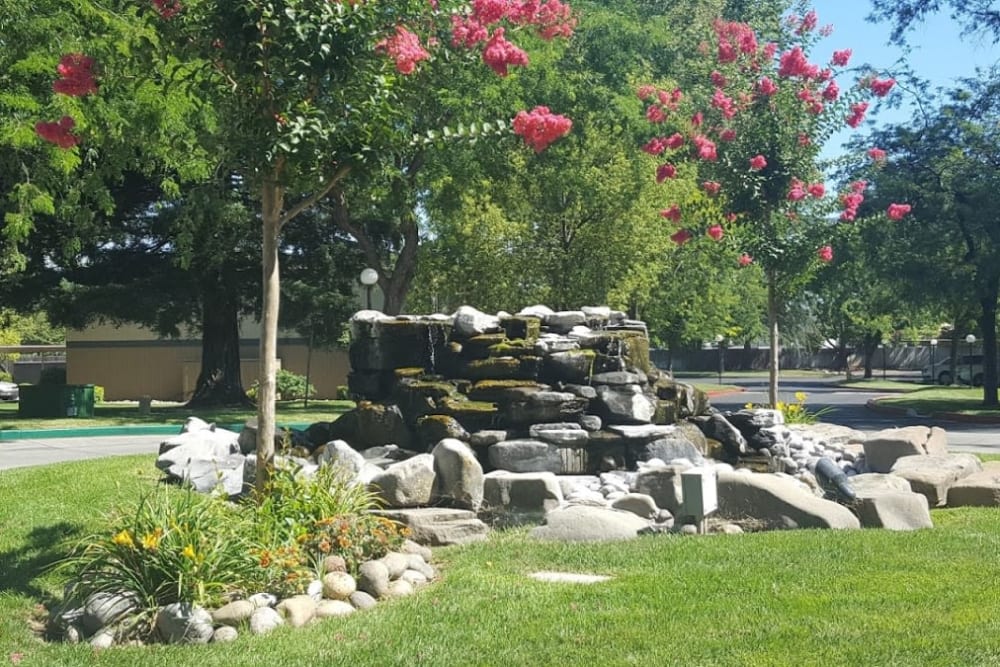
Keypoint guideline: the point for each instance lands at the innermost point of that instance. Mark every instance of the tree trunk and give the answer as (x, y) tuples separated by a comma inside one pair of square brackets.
[(272, 201), (988, 326), (219, 382), (772, 328)]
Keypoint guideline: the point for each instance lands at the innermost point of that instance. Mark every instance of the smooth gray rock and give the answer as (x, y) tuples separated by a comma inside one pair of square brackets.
[(770, 501), (520, 496), (396, 563), (234, 613), (373, 578), (471, 322), (439, 526), (334, 608), (884, 448), (458, 475), (208, 441), (339, 453), (105, 609), (624, 404), (640, 504), (934, 475), (980, 489), (487, 437), (670, 447), (225, 634), (338, 585), (182, 623), (581, 523), (663, 485), (361, 601), (297, 610), (565, 434), (525, 455), (264, 620), (564, 320), (408, 483), (892, 510)]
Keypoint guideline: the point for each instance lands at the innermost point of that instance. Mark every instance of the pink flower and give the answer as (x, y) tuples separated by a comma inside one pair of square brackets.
[(499, 54), (797, 191), (76, 76), (58, 133), (490, 11), (673, 213), (734, 39), (831, 92), (793, 63), (403, 47), (730, 217), (758, 162), (645, 92), (467, 32), (715, 231), (825, 254), (675, 141), (706, 148), (769, 50), (665, 171), (728, 134), (718, 79), (745, 260), (766, 87), (655, 146), (804, 139), (723, 103), (881, 87), (898, 211), (817, 190), (859, 186), (857, 114), (681, 236), (876, 154), (167, 9), (712, 187), (841, 58), (808, 23), (697, 119), (654, 114), (540, 128)]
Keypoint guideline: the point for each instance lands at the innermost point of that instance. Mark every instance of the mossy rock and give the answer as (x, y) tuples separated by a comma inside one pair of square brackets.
[(495, 368), (524, 328), (499, 391), (512, 348), (478, 347), (432, 429), (472, 415), (399, 344), (632, 347), (410, 372), (574, 366), (429, 388)]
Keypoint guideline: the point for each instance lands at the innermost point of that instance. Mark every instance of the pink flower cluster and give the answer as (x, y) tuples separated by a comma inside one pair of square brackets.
[(758, 162), (825, 254), (898, 211), (76, 75), (59, 133), (539, 127), (876, 154), (799, 190), (673, 213), (852, 200), (403, 47), (841, 58), (665, 171), (167, 9), (499, 53), (793, 63), (881, 87), (734, 39), (858, 111)]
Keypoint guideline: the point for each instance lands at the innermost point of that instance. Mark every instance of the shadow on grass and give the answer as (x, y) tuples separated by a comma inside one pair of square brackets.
[(43, 547)]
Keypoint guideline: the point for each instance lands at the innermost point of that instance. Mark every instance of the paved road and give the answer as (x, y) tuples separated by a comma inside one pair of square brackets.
[(848, 409)]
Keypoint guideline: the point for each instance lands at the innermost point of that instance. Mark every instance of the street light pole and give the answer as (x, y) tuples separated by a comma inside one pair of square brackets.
[(722, 363), (934, 343), (368, 278), (970, 339), (882, 347)]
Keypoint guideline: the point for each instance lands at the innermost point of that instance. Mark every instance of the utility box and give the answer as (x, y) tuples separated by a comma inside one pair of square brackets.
[(701, 492), (56, 400)]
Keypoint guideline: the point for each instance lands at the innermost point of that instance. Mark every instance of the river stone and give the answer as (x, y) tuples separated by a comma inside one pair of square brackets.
[(182, 623), (520, 496), (771, 501), (640, 504), (395, 563), (980, 489), (934, 475), (663, 485), (417, 562), (414, 577), (458, 475), (582, 523), (373, 578), (339, 453), (408, 483), (411, 547), (332, 608), (264, 620), (234, 613), (884, 448), (260, 600), (399, 588), (361, 600), (225, 634), (104, 609), (338, 585), (297, 610), (104, 638)]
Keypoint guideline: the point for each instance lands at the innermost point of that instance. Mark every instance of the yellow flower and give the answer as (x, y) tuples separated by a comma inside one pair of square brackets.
[(124, 539), (801, 396), (748, 406), (152, 540), (189, 552)]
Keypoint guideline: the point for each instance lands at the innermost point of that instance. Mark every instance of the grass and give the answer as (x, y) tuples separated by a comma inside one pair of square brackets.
[(932, 400), (779, 598), (790, 373), (895, 386), (127, 413), (716, 388)]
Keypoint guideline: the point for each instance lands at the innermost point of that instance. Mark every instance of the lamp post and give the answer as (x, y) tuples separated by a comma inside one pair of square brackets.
[(368, 278), (971, 340), (722, 362), (933, 360), (881, 346)]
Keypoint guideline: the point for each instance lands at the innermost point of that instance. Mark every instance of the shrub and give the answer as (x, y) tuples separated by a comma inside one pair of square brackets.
[(796, 412), (6, 377), (343, 392), (290, 386), (98, 393)]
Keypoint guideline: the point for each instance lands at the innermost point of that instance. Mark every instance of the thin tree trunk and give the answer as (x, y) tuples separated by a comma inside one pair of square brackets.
[(219, 382), (988, 326), (772, 326), (272, 200)]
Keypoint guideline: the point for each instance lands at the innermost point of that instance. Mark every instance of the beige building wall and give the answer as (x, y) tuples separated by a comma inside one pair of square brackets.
[(130, 361)]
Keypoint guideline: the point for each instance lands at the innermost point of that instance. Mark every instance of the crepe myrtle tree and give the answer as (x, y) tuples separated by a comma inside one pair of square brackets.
[(303, 90), (752, 140)]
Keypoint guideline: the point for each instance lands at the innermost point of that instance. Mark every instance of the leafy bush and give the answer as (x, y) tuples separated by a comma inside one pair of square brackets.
[(98, 393), (290, 386), (6, 377), (52, 375), (796, 412)]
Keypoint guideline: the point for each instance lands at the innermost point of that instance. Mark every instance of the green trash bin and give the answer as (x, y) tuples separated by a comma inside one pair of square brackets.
[(56, 400)]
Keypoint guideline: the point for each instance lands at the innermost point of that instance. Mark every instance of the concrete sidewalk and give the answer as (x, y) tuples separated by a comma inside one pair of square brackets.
[(44, 451)]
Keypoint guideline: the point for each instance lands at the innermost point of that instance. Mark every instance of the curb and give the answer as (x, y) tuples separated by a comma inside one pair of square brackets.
[(102, 431)]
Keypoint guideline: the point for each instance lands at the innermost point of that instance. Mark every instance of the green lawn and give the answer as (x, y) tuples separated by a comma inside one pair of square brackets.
[(866, 597), (874, 384), (930, 400), (127, 413)]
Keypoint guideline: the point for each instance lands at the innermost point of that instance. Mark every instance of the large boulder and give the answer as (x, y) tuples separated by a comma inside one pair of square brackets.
[(934, 475), (372, 425), (339, 453), (440, 526), (585, 523), (624, 404), (458, 476), (886, 501), (980, 489), (884, 448), (512, 498), (409, 483), (663, 485), (544, 406), (524, 455), (718, 428), (470, 322), (771, 501), (206, 458)]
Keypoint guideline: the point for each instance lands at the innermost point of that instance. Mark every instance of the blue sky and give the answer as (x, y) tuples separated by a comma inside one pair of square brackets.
[(939, 53)]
